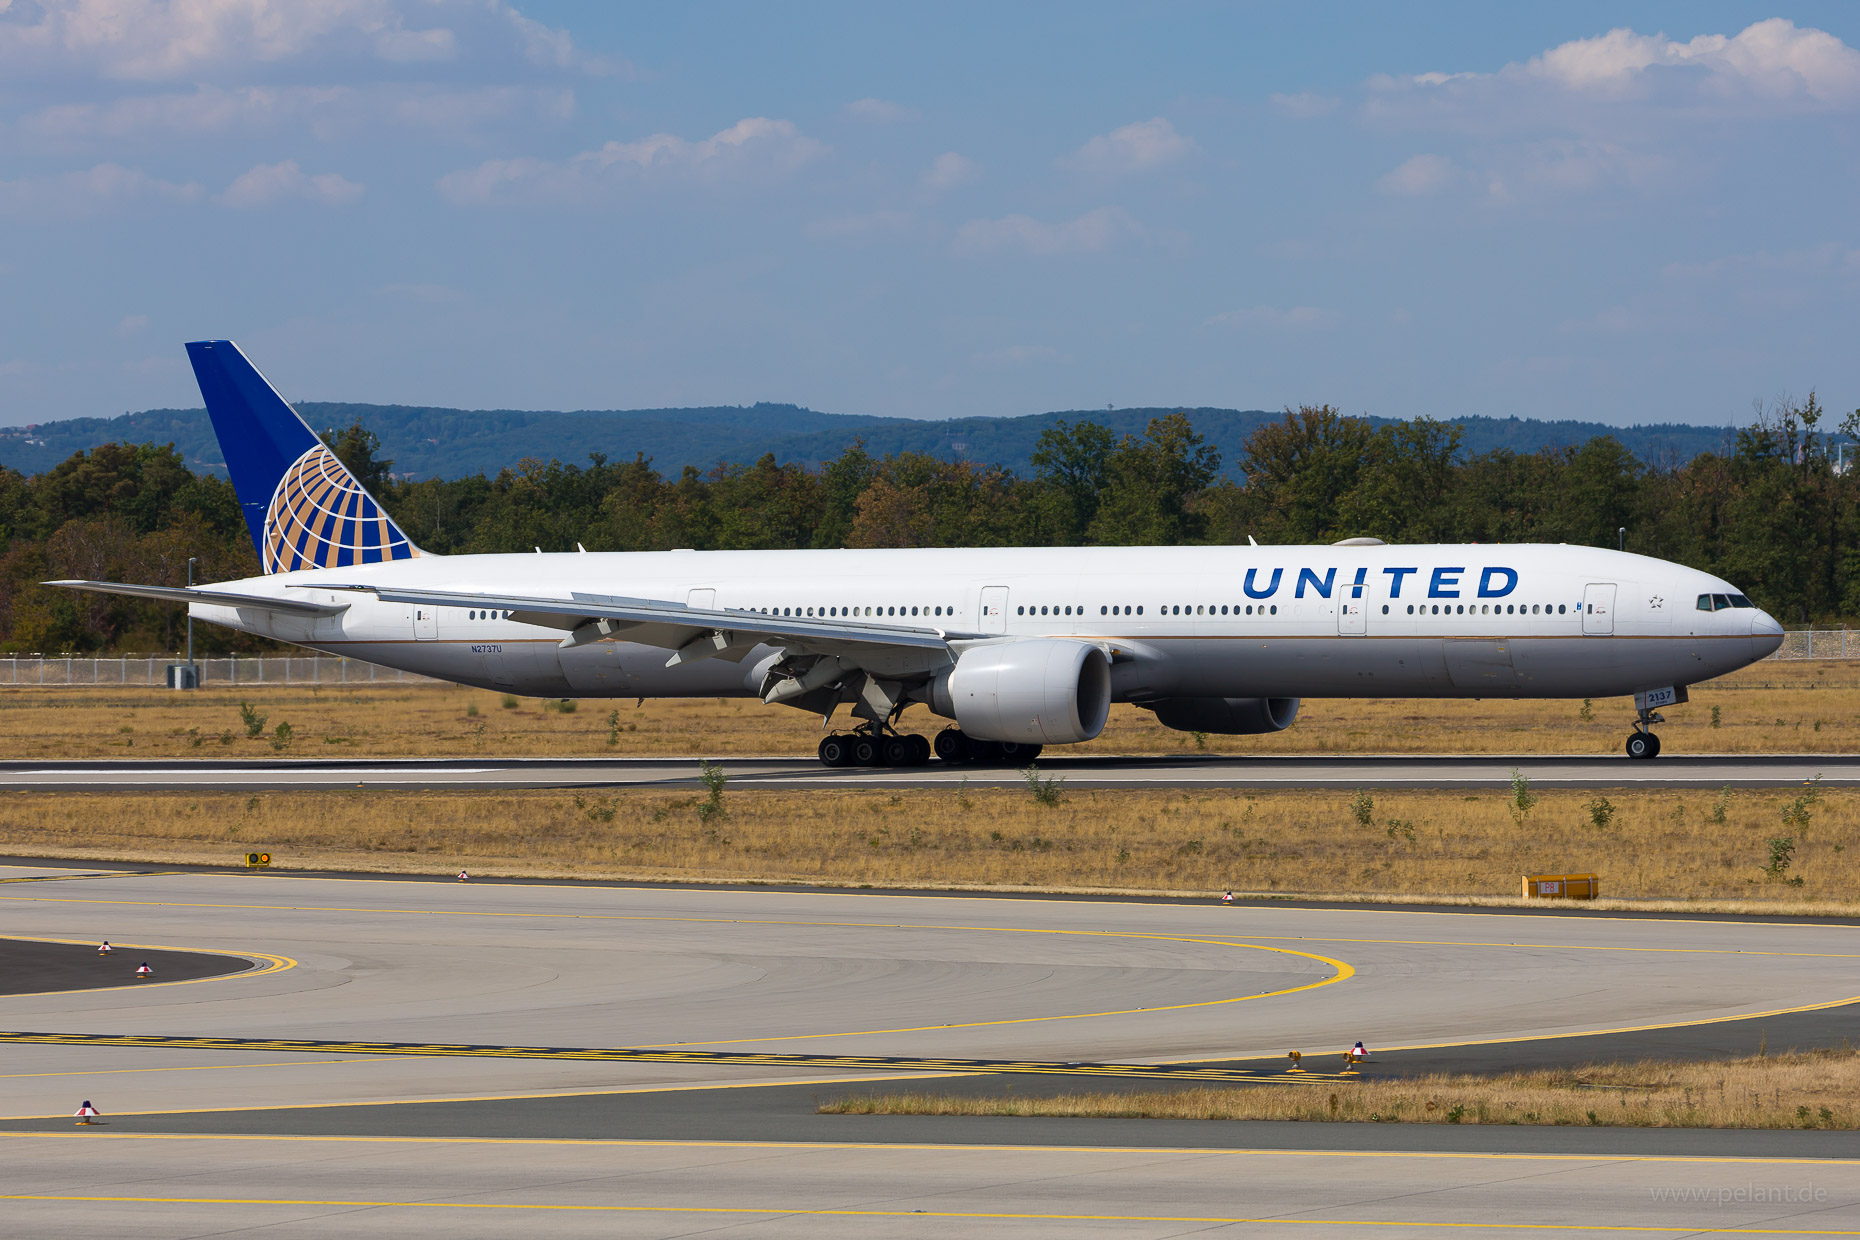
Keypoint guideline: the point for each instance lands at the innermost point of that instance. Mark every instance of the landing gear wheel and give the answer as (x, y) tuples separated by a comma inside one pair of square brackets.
[(864, 751), (836, 751), (981, 753), (949, 745), (920, 749), (1656, 744), (895, 751), (1643, 745)]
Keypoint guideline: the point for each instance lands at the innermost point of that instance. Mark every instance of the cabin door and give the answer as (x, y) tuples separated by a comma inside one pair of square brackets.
[(1352, 617), (994, 609), (1598, 609)]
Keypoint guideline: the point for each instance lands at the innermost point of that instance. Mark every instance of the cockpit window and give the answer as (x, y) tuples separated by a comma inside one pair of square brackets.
[(1704, 602), (1720, 602), (1738, 600)]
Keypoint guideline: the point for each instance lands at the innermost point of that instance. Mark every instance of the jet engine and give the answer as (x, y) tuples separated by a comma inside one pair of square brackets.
[(1226, 716), (1036, 691)]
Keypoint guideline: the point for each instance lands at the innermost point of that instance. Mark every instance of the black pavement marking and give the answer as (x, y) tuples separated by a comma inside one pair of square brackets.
[(862, 1063), (30, 967)]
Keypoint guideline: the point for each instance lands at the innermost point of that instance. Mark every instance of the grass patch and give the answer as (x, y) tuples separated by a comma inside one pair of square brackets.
[(1661, 845), (1759, 709), (1812, 1089)]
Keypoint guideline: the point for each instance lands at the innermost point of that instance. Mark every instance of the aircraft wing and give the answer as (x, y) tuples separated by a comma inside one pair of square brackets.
[(691, 633), (221, 598)]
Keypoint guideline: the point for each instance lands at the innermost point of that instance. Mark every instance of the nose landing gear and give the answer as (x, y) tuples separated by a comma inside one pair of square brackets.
[(1642, 743)]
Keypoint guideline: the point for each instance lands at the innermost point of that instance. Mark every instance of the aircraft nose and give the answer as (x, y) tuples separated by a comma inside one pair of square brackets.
[(1766, 636)]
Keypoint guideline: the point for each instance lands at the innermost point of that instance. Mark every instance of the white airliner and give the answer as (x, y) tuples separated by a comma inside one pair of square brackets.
[(1020, 647)]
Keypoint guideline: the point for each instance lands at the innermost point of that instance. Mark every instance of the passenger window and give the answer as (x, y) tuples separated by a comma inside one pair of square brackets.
[(1275, 609), (1385, 609), (1139, 610), (1411, 609)]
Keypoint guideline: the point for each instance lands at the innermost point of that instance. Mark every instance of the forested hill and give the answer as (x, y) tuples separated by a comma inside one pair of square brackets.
[(457, 443)]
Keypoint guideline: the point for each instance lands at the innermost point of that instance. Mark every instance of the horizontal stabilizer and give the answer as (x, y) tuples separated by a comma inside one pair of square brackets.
[(218, 598)]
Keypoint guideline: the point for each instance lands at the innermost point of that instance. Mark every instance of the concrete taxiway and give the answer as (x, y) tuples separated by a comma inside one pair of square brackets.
[(90, 1184), (1299, 771), (461, 1059)]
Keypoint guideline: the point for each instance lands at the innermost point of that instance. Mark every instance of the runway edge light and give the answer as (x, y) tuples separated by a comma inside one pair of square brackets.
[(257, 861)]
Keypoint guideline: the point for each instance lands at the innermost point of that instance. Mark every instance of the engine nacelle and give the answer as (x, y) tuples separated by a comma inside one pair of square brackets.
[(1226, 716), (1038, 691)]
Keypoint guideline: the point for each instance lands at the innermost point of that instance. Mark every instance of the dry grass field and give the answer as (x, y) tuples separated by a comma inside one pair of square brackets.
[(1700, 848), (1772, 707), (1819, 1089)]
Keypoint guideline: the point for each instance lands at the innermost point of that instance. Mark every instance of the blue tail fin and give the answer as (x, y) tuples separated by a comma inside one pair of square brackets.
[(305, 510)]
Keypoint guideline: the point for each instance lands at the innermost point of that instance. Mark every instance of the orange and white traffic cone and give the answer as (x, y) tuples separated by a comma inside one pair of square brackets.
[(86, 1114), (144, 972)]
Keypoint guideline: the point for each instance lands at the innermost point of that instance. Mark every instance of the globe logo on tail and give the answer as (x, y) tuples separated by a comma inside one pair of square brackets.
[(321, 518)]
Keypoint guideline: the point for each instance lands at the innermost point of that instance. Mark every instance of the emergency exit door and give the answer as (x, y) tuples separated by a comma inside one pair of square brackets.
[(1352, 617)]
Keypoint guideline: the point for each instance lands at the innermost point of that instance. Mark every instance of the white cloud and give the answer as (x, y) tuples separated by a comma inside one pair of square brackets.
[(1295, 318), (1773, 58), (753, 147), (98, 188), (950, 170), (1772, 67), (1419, 175), (880, 111), (1305, 105), (266, 184), (1134, 148), (163, 40), (1090, 233)]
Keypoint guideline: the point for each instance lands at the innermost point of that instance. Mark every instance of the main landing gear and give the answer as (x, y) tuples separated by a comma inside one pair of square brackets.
[(1642, 743), (953, 747), (872, 747)]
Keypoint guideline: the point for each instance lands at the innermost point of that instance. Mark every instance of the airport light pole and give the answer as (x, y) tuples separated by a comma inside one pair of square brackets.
[(190, 616)]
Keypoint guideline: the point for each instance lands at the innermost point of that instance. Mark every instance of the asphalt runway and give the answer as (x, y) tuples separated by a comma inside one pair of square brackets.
[(1202, 771), (480, 1059)]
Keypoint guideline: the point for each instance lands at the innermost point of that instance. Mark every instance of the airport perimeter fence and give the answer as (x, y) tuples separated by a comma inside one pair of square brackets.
[(152, 669), (307, 669)]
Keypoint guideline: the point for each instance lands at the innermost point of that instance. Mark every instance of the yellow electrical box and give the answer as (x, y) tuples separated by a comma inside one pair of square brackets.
[(257, 861), (1561, 887)]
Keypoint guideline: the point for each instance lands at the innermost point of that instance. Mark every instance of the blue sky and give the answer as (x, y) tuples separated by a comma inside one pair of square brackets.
[(1627, 213)]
